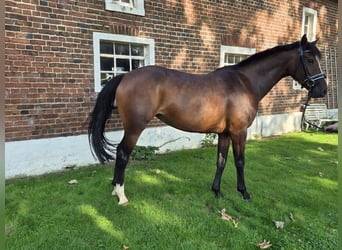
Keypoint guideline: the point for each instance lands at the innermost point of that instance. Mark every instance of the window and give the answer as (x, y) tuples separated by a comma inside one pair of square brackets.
[(135, 7), (231, 55), (309, 23), (119, 54)]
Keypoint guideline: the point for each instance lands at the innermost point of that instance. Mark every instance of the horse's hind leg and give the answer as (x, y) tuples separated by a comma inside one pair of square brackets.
[(222, 152), (239, 141), (123, 152)]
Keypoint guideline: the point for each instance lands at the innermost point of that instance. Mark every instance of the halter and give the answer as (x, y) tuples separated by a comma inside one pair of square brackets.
[(310, 81)]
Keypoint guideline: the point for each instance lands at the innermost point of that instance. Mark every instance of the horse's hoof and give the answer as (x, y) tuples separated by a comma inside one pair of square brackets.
[(123, 203), (246, 197), (120, 192), (218, 194)]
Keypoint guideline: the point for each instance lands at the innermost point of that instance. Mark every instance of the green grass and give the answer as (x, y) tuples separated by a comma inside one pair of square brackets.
[(175, 209)]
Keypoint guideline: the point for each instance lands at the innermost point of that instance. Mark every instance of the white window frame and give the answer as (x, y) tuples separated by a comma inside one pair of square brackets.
[(235, 51), (97, 37), (311, 13), (135, 7), (311, 37)]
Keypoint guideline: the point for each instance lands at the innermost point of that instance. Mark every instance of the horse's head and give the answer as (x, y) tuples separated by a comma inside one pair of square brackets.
[(309, 73)]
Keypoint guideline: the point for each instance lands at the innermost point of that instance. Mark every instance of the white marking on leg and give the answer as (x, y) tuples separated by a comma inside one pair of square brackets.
[(120, 192)]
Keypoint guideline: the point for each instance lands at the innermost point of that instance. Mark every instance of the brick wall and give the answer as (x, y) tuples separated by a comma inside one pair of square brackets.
[(49, 52)]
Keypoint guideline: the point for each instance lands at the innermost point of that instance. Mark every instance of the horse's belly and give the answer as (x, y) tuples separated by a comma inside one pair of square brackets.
[(194, 122)]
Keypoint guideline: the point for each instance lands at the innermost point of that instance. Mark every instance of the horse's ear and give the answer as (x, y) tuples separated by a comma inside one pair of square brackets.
[(314, 42), (304, 40)]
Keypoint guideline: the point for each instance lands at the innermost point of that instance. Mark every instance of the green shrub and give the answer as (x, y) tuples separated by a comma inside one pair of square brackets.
[(144, 153), (208, 140)]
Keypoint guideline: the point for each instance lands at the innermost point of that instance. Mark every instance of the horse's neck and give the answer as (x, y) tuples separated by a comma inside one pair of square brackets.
[(265, 73)]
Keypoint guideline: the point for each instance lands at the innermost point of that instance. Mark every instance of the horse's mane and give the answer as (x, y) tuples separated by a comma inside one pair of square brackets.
[(310, 46)]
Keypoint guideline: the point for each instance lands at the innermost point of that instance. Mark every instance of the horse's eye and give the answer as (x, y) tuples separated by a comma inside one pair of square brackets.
[(311, 61)]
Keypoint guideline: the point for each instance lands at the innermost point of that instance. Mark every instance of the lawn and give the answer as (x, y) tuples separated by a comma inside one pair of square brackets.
[(292, 179)]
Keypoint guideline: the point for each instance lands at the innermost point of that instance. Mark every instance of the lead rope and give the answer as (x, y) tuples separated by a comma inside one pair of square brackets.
[(303, 120)]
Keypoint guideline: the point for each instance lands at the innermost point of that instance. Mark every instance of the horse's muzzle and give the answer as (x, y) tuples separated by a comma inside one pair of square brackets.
[(319, 92)]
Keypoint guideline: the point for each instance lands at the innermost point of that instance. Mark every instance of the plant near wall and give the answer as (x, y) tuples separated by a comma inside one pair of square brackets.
[(144, 153), (209, 140)]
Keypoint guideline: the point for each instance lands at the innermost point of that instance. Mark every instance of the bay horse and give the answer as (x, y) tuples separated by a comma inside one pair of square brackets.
[(224, 101)]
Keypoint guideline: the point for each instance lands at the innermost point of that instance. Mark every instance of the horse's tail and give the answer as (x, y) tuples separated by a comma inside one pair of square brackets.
[(100, 147)]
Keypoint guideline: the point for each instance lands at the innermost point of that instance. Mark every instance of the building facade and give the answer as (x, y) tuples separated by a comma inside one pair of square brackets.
[(57, 53)]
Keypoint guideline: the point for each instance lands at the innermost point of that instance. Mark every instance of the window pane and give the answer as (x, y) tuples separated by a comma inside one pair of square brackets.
[(137, 50), (106, 48), (121, 49), (310, 27), (306, 20), (137, 64), (122, 64), (120, 70), (128, 3), (241, 58), (105, 77), (231, 59), (225, 58), (307, 24), (107, 64)]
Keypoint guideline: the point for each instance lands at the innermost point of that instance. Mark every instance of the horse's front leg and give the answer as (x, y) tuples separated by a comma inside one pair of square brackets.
[(222, 152), (239, 142)]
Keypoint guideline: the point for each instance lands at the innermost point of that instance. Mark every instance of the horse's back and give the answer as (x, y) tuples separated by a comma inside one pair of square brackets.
[(191, 102)]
